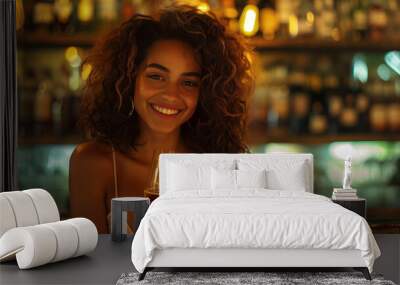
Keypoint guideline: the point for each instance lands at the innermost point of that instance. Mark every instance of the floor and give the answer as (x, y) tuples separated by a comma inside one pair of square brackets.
[(389, 262), (110, 260)]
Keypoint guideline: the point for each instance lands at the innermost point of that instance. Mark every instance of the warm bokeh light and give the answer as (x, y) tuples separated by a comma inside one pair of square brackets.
[(231, 12), (74, 80), (249, 20), (310, 17), (86, 69), (85, 13), (293, 25), (269, 23), (203, 6), (71, 53)]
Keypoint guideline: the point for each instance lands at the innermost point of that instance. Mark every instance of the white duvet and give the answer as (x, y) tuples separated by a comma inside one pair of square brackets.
[(252, 218)]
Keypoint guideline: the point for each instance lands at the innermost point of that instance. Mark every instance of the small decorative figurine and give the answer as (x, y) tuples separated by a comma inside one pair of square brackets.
[(347, 173)]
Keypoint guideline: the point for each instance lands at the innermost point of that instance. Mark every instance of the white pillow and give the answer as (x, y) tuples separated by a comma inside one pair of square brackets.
[(184, 177), (282, 174), (295, 180), (251, 178), (223, 179)]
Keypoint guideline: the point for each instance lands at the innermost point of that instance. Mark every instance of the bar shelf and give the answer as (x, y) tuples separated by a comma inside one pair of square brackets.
[(45, 40), (257, 137)]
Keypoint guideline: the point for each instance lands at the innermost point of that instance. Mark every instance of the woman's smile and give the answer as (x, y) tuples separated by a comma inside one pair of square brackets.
[(164, 111)]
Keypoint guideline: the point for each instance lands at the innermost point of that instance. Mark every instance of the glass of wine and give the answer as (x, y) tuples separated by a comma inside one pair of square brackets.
[(152, 190)]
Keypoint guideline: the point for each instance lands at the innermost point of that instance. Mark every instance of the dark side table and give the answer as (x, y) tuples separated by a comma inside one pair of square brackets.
[(119, 207), (358, 206)]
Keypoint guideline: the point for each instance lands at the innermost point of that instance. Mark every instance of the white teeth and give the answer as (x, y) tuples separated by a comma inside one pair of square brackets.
[(165, 111)]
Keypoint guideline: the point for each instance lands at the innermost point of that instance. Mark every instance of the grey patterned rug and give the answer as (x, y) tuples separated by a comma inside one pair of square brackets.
[(230, 278)]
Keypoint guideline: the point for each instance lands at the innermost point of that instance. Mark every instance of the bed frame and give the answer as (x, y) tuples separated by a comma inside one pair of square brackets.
[(243, 259)]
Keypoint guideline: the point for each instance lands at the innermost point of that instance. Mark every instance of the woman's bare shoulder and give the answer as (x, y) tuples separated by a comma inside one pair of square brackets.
[(91, 153)]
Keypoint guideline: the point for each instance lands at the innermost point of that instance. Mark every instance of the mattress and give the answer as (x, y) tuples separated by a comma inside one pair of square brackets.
[(250, 219)]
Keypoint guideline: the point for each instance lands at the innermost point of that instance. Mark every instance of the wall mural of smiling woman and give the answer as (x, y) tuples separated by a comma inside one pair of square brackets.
[(178, 81)]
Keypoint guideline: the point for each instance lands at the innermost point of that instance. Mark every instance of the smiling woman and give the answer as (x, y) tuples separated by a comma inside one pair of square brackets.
[(178, 81)]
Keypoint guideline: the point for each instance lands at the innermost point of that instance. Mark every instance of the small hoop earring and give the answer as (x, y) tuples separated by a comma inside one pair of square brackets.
[(133, 108)]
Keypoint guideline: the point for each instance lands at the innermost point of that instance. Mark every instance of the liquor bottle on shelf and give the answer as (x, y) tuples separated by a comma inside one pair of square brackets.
[(43, 15), (278, 114), (388, 88), (69, 113), (258, 108), (299, 110), (326, 19), (345, 19), (28, 89), (362, 106), (230, 15), (393, 114), (64, 11), (269, 20), (284, 9), (377, 20), (299, 106), (349, 117), (378, 118), (393, 31), (375, 88), (60, 91), (107, 13), (360, 20), (331, 79), (306, 19), (318, 123), (86, 15), (335, 106), (314, 80), (326, 77), (43, 112)]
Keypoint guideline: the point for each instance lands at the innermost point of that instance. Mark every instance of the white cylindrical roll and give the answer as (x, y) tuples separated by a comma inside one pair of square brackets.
[(10, 244), (67, 239), (7, 218), (40, 247), (45, 205), (24, 210), (34, 245), (87, 235)]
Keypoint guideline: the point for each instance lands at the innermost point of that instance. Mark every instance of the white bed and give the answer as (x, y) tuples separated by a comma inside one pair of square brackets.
[(203, 220)]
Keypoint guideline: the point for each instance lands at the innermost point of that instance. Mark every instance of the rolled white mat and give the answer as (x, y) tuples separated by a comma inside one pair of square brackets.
[(33, 246), (40, 244), (87, 234), (7, 218), (45, 205), (67, 240), (23, 208)]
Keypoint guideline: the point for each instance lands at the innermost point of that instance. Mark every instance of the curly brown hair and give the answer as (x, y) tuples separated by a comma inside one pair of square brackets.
[(219, 121)]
